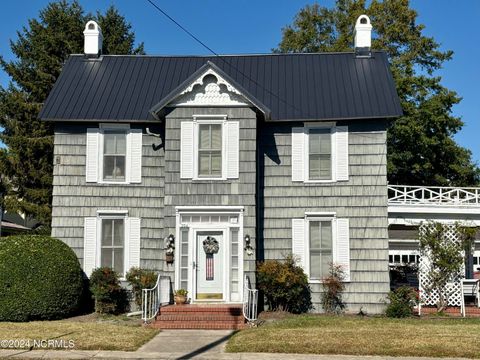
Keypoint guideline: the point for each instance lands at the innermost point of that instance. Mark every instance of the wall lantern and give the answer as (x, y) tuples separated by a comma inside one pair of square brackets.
[(169, 248), (248, 246)]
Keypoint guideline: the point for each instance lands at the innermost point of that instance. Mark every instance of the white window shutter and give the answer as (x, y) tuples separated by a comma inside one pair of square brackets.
[(342, 246), (233, 149), (298, 241), (341, 153), (90, 245), (135, 155), (298, 154), (186, 150), (92, 153), (133, 243)]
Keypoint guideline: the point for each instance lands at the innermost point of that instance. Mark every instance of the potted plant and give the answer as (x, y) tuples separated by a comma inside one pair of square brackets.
[(180, 296)]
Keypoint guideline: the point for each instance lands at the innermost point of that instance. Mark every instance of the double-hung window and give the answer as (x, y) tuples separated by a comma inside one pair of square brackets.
[(114, 154), (113, 244), (210, 150), (321, 239), (319, 154), (111, 239), (321, 248)]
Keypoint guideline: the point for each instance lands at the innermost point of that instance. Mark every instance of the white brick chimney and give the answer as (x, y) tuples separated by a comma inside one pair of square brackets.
[(93, 39), (363, 36)]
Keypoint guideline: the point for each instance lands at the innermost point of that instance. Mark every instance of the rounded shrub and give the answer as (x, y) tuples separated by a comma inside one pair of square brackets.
[(110, 297), (401, 302), (40, 279), (284, 285)]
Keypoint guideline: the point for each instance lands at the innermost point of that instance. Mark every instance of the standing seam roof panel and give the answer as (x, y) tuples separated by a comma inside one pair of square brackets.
[(292, 86)]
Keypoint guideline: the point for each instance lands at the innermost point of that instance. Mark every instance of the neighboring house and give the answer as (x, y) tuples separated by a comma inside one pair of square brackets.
[(287, 150)]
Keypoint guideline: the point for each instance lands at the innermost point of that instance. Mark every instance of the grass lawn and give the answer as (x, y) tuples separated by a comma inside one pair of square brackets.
[(88, 333), (349, 335)]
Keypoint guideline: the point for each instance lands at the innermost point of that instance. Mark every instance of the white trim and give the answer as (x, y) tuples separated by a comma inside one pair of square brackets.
[(210, 116), (213, 208), (112, 212), (421, 209), (192, 228)]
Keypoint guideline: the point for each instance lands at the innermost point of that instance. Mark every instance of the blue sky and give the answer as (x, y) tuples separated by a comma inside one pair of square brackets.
[(243, 26)]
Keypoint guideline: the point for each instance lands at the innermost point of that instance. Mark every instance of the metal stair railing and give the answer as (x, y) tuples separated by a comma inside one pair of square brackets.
[(152, 298), (250, 301)]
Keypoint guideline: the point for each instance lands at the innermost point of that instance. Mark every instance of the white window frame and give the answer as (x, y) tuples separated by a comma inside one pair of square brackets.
[(102, 129), (318, 217), (333, 161), (209, 120), (112, 215)]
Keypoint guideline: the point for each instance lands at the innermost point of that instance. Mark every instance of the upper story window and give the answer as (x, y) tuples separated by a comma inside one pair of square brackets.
[(320, 153), (210, 150), (114, 155)]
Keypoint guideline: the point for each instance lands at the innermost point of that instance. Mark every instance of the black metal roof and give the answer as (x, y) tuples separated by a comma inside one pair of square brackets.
[(285, 87)]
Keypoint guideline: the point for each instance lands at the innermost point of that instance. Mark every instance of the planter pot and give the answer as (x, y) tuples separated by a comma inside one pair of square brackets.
[(169, 258), (180, 300)]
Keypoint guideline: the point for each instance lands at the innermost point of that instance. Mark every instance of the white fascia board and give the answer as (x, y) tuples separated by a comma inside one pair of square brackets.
[(421, 209)]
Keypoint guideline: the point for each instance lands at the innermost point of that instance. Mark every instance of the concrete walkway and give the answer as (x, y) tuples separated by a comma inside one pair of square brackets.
[(182, 344)]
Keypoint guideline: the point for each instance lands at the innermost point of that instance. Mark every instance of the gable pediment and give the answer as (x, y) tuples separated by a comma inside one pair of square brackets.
[(210, 89)]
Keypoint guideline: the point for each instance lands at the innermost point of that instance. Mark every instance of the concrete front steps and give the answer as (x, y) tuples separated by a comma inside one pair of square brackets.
[(200, 316)]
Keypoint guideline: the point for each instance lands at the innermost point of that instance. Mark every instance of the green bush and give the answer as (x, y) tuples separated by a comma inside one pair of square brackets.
[(140, 279), (401, 302), (333, 288), (284, 285), (110, 297), (40, 279)]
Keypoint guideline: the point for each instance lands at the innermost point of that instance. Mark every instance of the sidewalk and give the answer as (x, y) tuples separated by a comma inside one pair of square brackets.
[(182, 344)]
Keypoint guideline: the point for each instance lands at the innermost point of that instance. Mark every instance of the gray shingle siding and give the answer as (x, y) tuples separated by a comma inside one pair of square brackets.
[(74, 199), (238, 192), (362, 199)]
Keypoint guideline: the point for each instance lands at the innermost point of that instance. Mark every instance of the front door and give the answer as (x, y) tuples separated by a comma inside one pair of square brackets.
[(210, 270)]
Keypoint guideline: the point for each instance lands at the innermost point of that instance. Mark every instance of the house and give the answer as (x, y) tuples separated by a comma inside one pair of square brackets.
[(230, 160)]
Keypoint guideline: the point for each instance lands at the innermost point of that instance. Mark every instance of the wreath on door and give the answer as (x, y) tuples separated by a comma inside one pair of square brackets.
[(210, 245)]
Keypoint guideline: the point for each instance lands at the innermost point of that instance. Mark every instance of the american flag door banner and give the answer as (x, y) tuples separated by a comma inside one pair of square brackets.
[(209, 267)]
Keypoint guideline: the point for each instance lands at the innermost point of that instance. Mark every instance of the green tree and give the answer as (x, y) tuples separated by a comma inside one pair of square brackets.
[(421, 148), (40, 51)]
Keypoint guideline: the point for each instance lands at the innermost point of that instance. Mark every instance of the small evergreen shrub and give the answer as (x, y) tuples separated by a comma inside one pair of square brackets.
[(110, 297), (140, 279), (401, 302), (333, 288), (40, 279), (284, 285)]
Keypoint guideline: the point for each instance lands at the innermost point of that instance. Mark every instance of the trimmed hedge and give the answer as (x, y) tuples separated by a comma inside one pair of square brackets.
[(40, 279)]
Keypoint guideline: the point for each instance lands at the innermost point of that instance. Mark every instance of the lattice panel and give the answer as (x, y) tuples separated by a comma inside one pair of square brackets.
[(453, 289)]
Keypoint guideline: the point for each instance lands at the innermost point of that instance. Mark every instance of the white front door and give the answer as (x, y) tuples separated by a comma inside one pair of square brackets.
[(210, 269)]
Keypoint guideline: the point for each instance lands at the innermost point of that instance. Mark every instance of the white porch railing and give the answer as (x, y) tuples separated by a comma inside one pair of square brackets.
[(250, 301), (433, 195), (154, 297)]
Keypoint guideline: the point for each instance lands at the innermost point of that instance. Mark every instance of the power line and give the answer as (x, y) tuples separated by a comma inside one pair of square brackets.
[(220, 57)]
